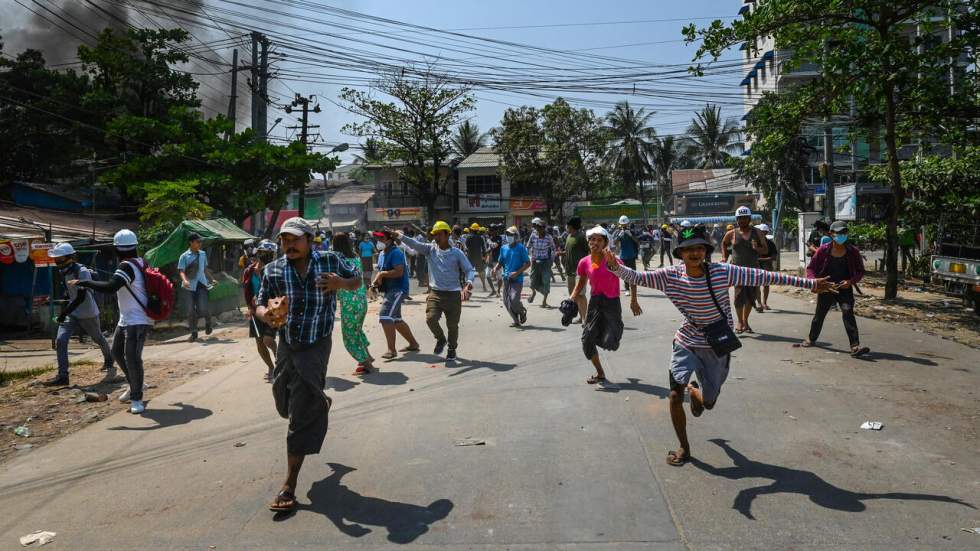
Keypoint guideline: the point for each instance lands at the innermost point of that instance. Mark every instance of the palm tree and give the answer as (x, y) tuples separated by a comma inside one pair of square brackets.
[(711, 140), (467, 140), (667, 155), (370, 152), (630, 146)]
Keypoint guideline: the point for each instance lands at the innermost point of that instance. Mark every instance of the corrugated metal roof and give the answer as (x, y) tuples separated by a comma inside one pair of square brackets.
[(352, 195), (483, 158), (65, 226)]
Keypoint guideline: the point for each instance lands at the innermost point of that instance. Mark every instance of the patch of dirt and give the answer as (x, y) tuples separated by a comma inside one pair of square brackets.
[(923, 307), (51, 413)]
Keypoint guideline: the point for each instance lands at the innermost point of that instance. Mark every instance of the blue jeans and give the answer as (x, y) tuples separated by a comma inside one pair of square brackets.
[(127, 350), (90, 326), (197, 306)]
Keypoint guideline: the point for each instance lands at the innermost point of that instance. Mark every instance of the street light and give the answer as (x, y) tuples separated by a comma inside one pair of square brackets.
[(269, 131), (340, 148)]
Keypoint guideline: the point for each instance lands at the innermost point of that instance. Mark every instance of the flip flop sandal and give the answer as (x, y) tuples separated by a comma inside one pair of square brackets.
[(285, 502), (860, 352), (389, 355), (804, 344), (749, 329), (675, 460), (739, 331), (410, 349), (362, 370), (696, 411), (594, 379)]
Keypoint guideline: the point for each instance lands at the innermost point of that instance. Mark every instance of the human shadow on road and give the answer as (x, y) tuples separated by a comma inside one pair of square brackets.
[(765, 337), (875, 356), (385, 378), (634, 384), (210, 341), (540, 328), (170, 417), (472, 365), (339, 384), (795, 481), (352, 512)]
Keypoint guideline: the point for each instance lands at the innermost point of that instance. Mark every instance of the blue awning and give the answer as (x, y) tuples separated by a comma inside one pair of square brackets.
[(744, 46), (769, 55), (711, 219), (753, 73), (760, 64), (746, 81)]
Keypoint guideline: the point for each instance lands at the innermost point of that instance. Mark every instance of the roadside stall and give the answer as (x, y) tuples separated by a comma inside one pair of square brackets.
[(222, 241)]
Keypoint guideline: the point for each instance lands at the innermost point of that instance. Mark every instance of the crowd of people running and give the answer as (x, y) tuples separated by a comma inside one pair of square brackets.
[(294, 285)]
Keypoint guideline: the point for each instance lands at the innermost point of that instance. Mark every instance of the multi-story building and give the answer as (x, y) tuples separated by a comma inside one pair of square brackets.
[(485, 196)]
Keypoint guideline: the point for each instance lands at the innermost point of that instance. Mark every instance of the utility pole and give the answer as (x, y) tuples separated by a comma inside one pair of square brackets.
[(233, 99), (304, 133), (254, 81), (262, 131)]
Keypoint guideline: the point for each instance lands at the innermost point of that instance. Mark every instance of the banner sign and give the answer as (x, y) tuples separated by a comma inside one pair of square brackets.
[(846, 202), (6, 252), (22, 250), (611, 213), (527, 204), (483, 202), (395, 214), (39, 253)]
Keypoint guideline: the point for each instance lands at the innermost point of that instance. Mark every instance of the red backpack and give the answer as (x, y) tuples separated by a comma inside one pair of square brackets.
[(159, 291)]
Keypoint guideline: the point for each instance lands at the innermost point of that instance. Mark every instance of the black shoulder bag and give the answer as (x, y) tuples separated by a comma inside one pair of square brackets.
[(719, 333)]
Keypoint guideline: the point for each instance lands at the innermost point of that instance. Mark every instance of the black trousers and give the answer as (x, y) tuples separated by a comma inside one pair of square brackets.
[(603, 325), (665, 249), (825, 301), (297, 386)]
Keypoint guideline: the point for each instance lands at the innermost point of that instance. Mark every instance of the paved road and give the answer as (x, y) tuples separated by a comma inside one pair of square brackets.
[(781, 462)]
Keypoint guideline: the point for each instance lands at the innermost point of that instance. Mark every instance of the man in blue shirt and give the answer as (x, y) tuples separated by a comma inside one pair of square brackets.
[(392, 279), (514, 260), (629, 247), (366, 250), (194, 273), (450, 284)]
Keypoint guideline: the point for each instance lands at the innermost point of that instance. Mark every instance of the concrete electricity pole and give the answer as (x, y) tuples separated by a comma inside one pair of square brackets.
[(304, 133), (233, 98)]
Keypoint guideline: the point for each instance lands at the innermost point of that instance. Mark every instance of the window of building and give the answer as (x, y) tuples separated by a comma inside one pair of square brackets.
[(523, 190), (483, 185)]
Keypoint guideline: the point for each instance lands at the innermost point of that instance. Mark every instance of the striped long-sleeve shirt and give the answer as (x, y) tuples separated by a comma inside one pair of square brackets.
[(690, 294)]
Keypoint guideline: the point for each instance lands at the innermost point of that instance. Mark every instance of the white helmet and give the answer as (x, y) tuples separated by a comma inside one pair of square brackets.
[(61, 249), (685, 223), (764, 227), (124, 239), (537, 222), (743, 211), (598, 230), (623, 220), (268, 246)]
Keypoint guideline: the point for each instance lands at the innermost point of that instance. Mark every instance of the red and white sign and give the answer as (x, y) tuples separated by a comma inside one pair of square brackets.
[(22, 250), (39, 253), (6, 252)]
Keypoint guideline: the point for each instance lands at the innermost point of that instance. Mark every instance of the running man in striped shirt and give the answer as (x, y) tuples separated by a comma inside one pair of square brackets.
[(686, 286)]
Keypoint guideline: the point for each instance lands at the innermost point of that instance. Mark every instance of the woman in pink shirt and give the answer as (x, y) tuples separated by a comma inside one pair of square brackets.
[(603, 325)]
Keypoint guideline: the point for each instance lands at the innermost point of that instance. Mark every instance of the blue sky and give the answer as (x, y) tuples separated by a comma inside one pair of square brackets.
[(620, 40)]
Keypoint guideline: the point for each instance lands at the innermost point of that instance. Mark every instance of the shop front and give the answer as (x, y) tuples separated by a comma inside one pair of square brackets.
[(524, 209), (395, 217)]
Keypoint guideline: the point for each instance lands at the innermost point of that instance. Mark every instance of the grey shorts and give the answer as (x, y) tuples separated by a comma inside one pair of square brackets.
[(709, 368), (391, 307)]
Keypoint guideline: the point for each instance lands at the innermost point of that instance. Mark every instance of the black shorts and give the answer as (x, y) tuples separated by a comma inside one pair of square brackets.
[(745, 295), (256, 329)]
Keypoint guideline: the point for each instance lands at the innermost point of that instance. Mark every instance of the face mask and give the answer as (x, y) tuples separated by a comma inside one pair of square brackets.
[(840, 239), (381, 246), (511, 239)]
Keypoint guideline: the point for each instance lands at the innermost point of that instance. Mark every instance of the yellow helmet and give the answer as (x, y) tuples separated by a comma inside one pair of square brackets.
[(441, 226), (466, 230), (475, 226)]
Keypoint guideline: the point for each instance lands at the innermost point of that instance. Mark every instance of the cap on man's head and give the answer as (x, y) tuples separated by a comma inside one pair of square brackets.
[(838, 226), (296, 226), (384, 233), (743, 211), (512, 230), (598, 230)]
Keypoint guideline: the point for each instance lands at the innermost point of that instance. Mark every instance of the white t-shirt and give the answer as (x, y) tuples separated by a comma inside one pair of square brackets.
[(130, 311)]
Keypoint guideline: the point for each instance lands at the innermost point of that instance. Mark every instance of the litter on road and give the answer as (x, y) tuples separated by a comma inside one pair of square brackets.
[(972, 530), (22, 431), (471, 442), (240, 444), (40, 538), (872, 425)]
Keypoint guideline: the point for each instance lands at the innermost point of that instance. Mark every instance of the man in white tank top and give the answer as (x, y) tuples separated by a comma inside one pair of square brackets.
[(127, 341)]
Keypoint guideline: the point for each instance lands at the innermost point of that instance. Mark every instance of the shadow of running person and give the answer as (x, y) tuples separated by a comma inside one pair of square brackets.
[(170, 417), (634, 384), (471, 365), (352, 512), (795, 481)]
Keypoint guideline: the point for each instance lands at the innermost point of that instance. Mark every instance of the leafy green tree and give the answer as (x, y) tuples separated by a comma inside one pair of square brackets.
[(940, 187), (631, 147), (556, 150), (467, 139), (371, 152), (886, 56), (711, 139), (666, 155), (414, 126), (236, 177)]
